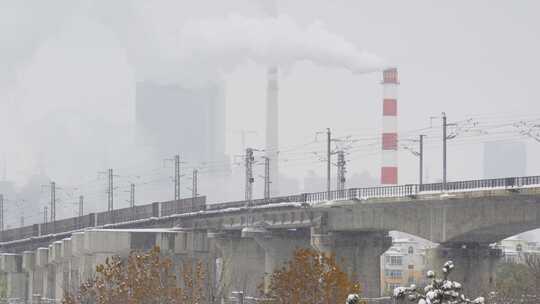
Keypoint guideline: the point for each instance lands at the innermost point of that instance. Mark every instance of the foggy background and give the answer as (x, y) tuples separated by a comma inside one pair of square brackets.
[(70, 69)]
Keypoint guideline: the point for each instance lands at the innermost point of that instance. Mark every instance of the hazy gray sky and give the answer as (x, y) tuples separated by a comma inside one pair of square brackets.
[(69, 83)]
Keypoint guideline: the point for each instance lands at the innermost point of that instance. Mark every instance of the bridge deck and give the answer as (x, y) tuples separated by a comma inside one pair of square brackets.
[(169, 211)]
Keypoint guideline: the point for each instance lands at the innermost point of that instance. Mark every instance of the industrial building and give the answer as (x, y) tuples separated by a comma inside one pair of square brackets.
[(173, 119)]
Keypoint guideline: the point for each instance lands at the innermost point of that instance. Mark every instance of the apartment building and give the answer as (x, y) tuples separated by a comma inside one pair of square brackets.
[(403, 264)]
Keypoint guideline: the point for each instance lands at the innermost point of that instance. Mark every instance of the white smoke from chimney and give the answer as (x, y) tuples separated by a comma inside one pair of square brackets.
[(177, 49), (224, 43)]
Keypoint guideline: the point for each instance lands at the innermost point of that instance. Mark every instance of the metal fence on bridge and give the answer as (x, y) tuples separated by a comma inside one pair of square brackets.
[(160, 209)]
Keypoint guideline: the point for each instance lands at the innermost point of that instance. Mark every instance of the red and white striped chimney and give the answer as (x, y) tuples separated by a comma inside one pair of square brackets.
[(389, 166)]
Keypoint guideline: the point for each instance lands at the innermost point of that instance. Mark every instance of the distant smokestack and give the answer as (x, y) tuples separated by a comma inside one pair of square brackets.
[(272, 128), (389, 167), (272, 112)]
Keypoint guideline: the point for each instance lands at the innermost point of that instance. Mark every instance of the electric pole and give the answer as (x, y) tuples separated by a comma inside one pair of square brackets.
[(53, 202), (45, 216), (328, 161), (1, 212), (444, 151), (421, 160), (22, 220), (266, 178), (194, 193), (249, 175), (177, 177), (341, 170), (132, 195), (194, 190), (110, 192), (81, 205)]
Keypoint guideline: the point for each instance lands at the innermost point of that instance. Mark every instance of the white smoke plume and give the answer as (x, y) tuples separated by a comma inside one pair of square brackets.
[(208, 47), (165, 47), (226, 42)]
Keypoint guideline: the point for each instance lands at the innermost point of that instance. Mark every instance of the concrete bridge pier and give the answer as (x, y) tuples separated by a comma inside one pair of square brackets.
[(55, 260), (28, 266), (239, 264), (40, 271), (189, 248), (278, 245), (475, 265), (358, 254), (15, 278), (77, 258), (65, 259)]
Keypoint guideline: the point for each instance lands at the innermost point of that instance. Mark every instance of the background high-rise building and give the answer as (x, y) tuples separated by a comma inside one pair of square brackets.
[(173, 119)]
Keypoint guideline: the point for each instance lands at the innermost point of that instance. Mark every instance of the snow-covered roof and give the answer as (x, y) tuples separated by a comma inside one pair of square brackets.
[(514, 238), (403, 240)]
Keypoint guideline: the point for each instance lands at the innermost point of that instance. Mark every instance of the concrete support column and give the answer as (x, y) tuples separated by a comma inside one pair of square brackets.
[(77, 252), (239, 265), (49, 275), (358, 254), (210, 261), (28, 266), (67, 284), (191, 247), (279, 247), (40, 271), (55, 259), (11, 266), (475, 265)]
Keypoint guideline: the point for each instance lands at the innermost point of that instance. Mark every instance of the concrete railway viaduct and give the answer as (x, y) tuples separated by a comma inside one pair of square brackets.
[(242, 242)]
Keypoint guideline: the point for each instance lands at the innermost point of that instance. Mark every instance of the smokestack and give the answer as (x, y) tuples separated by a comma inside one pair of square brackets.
[(389, 166), (272, 128), (272, 112)]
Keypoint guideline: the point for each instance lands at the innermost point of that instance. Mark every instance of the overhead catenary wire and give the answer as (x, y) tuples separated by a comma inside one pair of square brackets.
[(472, 130)]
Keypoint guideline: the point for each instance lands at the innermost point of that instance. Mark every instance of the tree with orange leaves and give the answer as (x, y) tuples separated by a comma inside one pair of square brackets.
[(310, 278), (144, 278)]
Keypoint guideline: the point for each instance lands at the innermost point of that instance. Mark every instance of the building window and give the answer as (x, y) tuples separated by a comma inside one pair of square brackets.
[(394, 260), (411, 266), (393, 274), (411, 250), (392, 286), (519, 248)]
